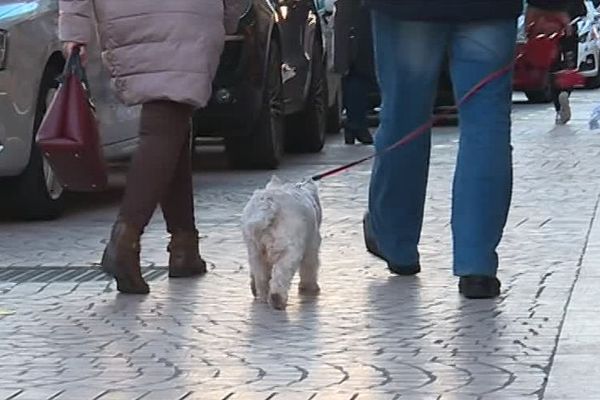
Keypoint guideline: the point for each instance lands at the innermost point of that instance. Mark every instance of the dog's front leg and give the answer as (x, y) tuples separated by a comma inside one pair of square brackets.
[(260, 274), (281, 279)]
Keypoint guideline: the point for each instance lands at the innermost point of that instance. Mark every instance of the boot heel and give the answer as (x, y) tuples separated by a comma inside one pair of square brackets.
[(349, 138), (184, 256), (121, 260)]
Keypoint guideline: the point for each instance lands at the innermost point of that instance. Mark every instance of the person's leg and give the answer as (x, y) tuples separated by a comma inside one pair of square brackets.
[(178, 209), (355, 89), (408, 58), (569, 49), (555, 97), (483, 179), (164, 129), (178, 202)]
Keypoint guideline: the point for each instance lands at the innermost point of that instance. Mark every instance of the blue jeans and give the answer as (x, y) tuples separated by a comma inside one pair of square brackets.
[(409, 56)]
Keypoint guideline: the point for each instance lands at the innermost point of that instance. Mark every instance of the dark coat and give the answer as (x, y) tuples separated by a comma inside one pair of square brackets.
[(459, 10), (576, 8), (353, 39)]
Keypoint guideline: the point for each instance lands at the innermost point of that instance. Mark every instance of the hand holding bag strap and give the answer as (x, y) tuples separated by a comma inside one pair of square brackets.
[(74, 67)]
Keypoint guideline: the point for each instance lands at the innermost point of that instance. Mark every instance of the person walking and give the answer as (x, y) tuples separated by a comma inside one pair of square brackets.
[(569, 52), (161, 55), (354, 61), (411, 39)]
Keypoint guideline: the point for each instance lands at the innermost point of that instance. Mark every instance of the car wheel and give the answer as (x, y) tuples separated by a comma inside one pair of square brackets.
[(306, 129), (334, 115), (37, 192), (263, 148), (541, 96)]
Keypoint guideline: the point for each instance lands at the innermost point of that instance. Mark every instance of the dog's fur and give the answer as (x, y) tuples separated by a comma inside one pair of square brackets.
[(281, 226)]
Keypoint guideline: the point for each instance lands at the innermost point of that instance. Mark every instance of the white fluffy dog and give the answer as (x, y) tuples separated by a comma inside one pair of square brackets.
[(281, 225)]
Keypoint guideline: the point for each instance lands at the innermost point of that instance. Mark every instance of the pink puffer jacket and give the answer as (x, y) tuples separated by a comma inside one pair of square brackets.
[(157, 49)]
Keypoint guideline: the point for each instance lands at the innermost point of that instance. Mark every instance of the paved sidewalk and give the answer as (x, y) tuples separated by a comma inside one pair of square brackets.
[(68, 335)]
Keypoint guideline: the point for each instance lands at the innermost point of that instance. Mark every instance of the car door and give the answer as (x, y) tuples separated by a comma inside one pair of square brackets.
[(295, 68)]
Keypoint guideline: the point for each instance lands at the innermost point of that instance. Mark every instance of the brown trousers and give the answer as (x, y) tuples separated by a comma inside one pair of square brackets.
[(161, 170)]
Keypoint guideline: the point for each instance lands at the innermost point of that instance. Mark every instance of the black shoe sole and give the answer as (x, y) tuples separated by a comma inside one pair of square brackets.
[(479, 287), (404, 271), (374, 250), (186, 273)]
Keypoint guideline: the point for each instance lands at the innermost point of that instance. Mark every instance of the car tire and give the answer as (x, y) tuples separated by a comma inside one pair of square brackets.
[(37, 193), (263, 148), (305, 131), (541, 96), (334, 115), (593, 82)]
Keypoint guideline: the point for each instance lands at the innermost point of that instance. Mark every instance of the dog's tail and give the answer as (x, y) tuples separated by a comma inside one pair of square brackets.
[(260, 213)]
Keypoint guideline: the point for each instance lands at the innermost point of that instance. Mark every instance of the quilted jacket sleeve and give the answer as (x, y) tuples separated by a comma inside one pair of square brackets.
[(75, 21), (233, 11)]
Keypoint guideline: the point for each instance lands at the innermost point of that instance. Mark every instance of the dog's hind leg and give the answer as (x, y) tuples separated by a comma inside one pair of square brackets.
[(259, 275), (309, 271), (281, 279)]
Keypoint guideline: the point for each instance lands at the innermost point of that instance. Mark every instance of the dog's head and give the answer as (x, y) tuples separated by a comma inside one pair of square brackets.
[(312, 189)]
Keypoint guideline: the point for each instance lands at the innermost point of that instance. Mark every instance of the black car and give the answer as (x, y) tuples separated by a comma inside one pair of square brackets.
[(445, 103), (271, 92)]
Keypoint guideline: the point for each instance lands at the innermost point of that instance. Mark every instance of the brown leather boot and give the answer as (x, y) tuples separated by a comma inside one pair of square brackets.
[(121, 259), (184, 256)]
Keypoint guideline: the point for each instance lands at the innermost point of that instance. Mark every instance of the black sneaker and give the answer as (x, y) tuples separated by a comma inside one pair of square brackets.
[(372, 248), (479, 287)]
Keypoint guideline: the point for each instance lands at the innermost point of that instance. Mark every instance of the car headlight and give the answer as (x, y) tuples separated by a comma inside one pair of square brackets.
[(3, 48)]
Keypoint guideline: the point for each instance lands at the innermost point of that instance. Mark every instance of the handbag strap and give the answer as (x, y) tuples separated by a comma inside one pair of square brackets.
[(74, 67)]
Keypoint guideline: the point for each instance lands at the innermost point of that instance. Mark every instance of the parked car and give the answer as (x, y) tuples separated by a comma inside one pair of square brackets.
[(273, 76), (272, 90), (538, 89), (589, 45), (30, 63), (444, 103)]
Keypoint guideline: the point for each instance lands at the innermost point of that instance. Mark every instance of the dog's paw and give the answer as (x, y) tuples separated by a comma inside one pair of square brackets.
[(310, 290), (277, 301)]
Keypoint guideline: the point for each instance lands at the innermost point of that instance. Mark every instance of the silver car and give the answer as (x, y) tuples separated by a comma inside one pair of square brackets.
[(30, 63)]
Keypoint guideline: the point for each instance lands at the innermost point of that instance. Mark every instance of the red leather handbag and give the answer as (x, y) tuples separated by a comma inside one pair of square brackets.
[(69, 137)]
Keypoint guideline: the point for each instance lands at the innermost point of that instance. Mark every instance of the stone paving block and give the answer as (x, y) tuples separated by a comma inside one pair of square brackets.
[(335, 395), (167, 394), (80, 393), (121, 395), (285, 395), (209, 395), (36, 394), (574, 376), (251, 396), (9, 394)]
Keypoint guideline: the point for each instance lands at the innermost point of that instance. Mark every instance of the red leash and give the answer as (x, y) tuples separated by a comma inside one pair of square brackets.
[(421, 129)]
